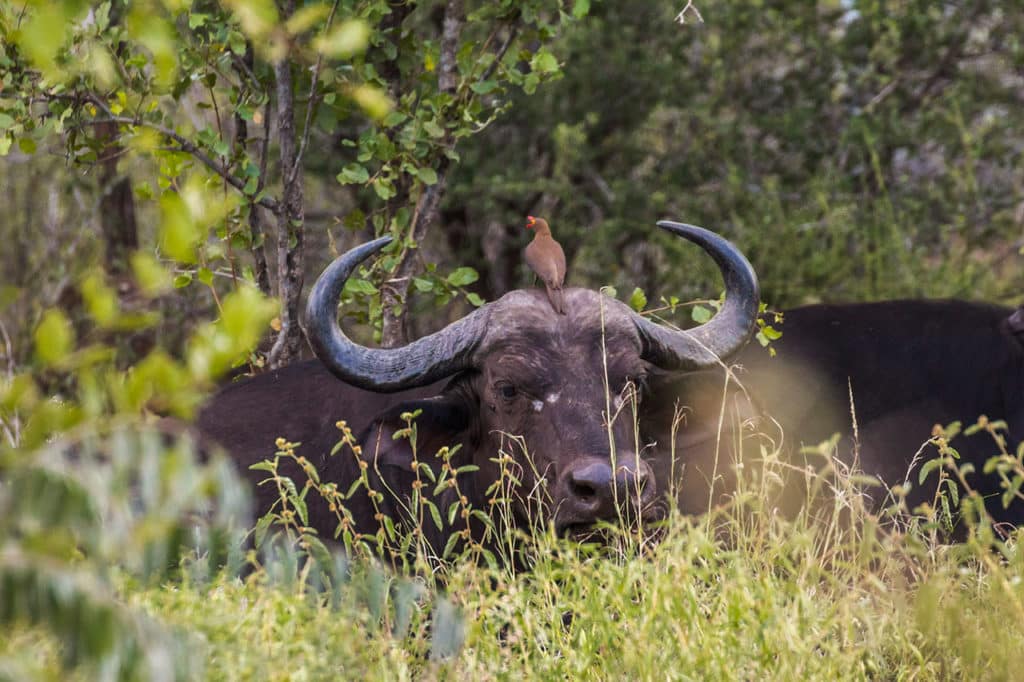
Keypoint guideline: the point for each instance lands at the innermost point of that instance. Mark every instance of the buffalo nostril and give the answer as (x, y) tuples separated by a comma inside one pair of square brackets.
[(583, 491), (591, 481), (594, 486)]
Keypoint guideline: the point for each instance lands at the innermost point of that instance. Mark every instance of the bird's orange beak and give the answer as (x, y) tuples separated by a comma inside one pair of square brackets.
[(530, 221)]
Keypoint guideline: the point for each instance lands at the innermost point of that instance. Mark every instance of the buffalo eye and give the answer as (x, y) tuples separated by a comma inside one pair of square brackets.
[(639, 383), (507, 391)]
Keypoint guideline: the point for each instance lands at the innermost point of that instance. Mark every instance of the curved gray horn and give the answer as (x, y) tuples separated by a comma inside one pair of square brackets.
[(728, 331), (421, 362)]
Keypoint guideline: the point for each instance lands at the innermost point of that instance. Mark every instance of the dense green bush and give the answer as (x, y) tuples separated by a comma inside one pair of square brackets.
[(854, 150)]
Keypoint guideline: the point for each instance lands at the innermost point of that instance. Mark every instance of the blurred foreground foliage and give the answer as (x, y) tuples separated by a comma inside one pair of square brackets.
[(104, 502), (95, 488)]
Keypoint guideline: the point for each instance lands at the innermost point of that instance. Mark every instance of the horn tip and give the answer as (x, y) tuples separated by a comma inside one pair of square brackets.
[(673, 226)]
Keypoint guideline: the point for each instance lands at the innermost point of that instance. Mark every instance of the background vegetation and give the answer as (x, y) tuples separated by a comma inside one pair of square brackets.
[(175, 173)]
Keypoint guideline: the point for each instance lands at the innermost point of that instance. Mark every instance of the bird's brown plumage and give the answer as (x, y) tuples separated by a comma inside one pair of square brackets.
[(545, 257)]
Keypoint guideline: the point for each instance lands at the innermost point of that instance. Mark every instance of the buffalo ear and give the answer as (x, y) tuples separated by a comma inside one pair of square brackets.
[(699, 397), (443, 421), (695, 461)]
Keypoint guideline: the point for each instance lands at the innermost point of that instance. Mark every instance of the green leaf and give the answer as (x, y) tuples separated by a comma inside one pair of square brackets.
[(638, 300), (449, 545), (100, 299), (580, 8), (927, 468), (372, 100), (300, 507), (252, 185), (463, 276), (158, 35), (306, 18), (245, 314), (700, 314), (474, 299), (43, 34), (179, 234), (433, 129), (345, 40), (153, 279), (422, 285), (393, 119), (427, 175), (262, 526), (265, 465), (236, 41), (355, 285), (27, 145), (544, 62), (484, 87), (355, 220), (215, 347), (435, 514), (530, 83), (384, 189), (54, 337)]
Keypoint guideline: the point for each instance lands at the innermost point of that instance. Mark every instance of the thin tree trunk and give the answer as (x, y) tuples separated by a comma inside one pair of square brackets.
[(117, 204), (290, 220), (119, 230), (395, 293), (261, 271)]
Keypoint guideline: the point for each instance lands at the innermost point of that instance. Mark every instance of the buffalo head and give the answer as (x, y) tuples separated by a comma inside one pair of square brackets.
[(558, 396)]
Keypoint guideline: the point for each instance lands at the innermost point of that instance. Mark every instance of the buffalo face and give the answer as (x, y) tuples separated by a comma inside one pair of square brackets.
[(558, 394)]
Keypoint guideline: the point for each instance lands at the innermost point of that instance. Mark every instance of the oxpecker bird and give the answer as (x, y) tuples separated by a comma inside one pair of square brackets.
[(545, 257)]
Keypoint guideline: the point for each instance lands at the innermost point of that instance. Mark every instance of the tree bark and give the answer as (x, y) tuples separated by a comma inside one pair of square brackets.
[(117, 204), (261, 270), (394, 294), (118, 224), (395, 291), (120, 234), (290, 220)]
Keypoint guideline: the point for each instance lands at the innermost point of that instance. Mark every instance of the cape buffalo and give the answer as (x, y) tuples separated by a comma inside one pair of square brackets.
[(547, 399), (593, 397), (896, 369)]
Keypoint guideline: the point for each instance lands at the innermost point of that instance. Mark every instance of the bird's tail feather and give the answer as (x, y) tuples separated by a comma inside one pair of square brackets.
[(556, 297)]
